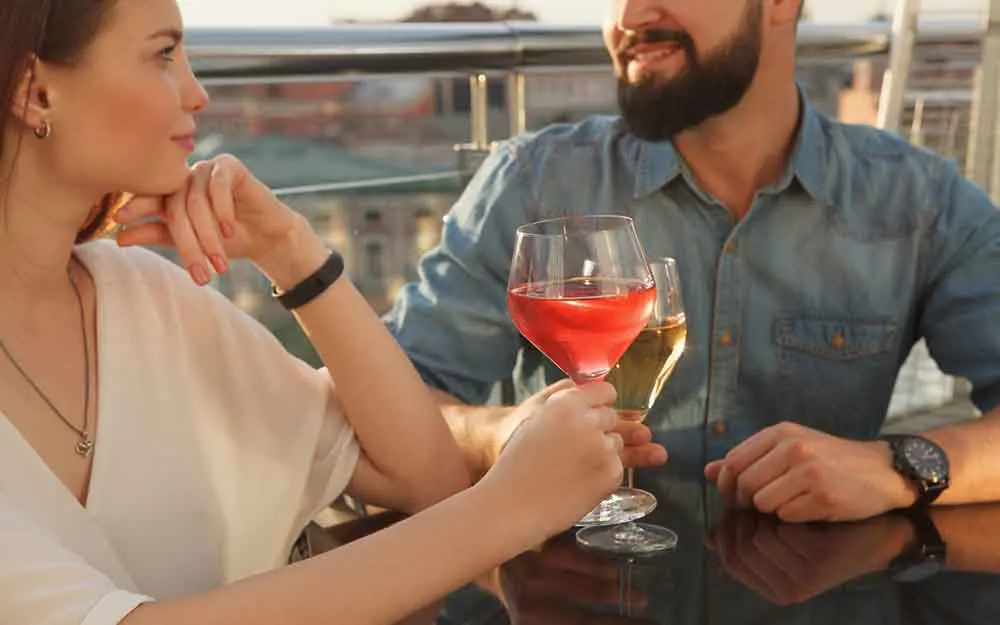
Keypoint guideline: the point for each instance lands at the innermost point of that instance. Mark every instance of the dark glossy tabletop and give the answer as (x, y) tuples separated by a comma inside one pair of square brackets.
[(744, 568)]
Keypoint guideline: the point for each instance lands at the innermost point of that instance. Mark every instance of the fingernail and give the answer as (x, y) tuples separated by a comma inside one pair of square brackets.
[(200, 274), (227, 229), (219, 262)]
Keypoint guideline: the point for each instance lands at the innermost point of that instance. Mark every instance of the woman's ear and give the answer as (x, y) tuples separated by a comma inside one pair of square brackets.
[(30, 104)]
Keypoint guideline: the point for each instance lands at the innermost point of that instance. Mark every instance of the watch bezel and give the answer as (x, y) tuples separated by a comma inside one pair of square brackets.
[(928, 488)]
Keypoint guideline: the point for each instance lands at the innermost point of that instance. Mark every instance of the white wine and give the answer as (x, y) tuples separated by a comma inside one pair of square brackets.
[(646, 365)]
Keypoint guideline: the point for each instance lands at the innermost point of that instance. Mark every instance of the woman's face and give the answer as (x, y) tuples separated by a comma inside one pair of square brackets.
[(123, 117)]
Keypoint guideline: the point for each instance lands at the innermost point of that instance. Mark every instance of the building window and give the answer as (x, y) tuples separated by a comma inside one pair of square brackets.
[(374, 260), (373, 217), (428, 231)]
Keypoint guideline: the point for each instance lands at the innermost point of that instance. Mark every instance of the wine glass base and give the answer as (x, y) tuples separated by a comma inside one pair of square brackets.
[(622, 506), (631, 539)]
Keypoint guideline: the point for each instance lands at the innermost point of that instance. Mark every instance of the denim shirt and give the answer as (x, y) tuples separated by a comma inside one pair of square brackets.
[(802, 311)]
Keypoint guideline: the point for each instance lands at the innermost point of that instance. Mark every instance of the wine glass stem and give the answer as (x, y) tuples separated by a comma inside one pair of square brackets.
[(625, 587), (630, 471)]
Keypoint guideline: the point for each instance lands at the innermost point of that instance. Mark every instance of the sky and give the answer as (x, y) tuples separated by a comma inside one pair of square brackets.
[(316, 12)]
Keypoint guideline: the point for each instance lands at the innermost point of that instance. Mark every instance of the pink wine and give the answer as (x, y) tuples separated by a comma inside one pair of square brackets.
[(587, 326)]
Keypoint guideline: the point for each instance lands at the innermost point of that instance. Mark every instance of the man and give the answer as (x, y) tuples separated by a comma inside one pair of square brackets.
[(813, 255)]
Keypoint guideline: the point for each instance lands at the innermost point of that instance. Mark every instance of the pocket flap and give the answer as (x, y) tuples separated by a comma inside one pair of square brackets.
[(835, 338)]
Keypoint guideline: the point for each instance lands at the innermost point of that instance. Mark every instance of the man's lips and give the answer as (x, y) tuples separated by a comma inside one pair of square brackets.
[(651, 51)]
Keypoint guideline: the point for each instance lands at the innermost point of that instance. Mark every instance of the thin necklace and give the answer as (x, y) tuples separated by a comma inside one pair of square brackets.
[(85, 445)]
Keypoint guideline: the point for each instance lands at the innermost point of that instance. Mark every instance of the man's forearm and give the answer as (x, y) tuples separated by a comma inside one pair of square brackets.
[(973, 449), (474, 429), (482, 431)]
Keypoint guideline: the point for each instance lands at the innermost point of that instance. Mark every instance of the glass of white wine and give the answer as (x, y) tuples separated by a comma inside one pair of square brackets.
[(639, 376)]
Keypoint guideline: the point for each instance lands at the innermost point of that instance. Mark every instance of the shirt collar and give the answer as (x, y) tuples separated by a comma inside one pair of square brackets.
[(658, 163), (809, 163)]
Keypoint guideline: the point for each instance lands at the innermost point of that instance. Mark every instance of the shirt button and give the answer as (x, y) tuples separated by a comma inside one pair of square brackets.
[(730, 246), (726, 340), (719, 428)]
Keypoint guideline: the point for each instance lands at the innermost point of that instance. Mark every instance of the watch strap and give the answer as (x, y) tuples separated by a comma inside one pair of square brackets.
[(925, 556)]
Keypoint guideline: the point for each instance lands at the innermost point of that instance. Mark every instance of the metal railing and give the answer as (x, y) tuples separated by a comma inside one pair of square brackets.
[(226, 56), (362, 185), (511, 52)]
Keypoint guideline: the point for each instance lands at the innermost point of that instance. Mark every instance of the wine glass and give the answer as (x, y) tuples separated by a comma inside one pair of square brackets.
[(639, 376), (581, 290)]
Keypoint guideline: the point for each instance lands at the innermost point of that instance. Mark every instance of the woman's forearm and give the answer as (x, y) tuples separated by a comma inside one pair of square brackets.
[(397, 420), (378, 579)]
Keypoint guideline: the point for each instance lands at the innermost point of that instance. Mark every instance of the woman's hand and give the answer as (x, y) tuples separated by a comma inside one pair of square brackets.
[(225, 212), (562, 460)]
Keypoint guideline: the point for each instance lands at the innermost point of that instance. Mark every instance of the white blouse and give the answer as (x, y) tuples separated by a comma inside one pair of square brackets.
[(214, 448)]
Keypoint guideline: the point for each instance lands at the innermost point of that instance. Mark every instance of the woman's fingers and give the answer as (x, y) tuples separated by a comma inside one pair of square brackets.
[(195, 220), (220, 192), (185, 240), (203, 219), (154, 234), (140, 209)]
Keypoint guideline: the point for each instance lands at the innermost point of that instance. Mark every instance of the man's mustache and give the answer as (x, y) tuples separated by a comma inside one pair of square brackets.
[(633, 38)]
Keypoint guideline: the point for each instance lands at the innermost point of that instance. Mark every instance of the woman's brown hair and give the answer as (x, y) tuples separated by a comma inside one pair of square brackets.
[(53, 31)]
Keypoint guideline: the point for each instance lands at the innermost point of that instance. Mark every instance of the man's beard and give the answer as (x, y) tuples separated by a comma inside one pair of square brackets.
[(658, 110)]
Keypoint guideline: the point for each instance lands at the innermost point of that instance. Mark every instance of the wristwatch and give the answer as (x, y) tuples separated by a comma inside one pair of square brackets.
[(925, 556), (922, 462)]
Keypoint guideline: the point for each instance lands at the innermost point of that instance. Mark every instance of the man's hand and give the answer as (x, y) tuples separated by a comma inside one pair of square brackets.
[(792, 563), (802, 475)]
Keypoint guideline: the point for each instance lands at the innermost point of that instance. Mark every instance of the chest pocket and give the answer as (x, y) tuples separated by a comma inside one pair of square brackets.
[(836, 374)]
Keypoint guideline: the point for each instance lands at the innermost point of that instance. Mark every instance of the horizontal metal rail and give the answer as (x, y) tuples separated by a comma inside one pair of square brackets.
[(286, 54), (371, 184)]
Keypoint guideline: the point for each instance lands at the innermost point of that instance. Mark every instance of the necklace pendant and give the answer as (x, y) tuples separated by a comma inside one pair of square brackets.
[(85, 447)]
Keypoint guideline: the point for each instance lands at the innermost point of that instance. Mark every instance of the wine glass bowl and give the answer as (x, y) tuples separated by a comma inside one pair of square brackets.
[(580, 291)]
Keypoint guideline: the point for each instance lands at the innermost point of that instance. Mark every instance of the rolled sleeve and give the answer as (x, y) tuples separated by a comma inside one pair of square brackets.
[(961, 309), (453, 321), (44, 583), (113, 607)]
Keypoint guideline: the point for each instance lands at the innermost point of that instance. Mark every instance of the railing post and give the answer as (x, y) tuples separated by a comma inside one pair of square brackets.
[(917, 127), (517, 103), (992, 40), (894, 83), (983, 143), (479, 111), (471, 154)]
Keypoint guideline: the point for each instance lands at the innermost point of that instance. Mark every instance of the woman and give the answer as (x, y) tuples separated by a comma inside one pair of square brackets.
[(159, 450)]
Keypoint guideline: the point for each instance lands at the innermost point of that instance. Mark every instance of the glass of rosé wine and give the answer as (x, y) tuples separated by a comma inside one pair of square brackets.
[(581, 290)]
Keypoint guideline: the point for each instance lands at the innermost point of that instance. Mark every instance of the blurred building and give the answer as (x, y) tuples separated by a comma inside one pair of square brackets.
[(382, 229), (938, 109)]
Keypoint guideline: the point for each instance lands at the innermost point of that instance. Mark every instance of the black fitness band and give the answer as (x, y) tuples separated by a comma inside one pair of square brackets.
[(313, 286)]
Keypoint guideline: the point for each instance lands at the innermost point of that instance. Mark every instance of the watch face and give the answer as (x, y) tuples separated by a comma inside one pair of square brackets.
[(926, 459)]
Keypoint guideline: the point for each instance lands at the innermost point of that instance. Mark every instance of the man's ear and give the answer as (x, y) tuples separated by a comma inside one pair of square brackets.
[(786, 12), (30, 104)]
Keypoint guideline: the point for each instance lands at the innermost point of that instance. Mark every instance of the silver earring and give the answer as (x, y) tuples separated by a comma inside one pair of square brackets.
[(44, 131)]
